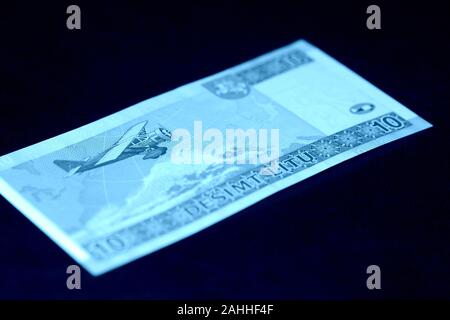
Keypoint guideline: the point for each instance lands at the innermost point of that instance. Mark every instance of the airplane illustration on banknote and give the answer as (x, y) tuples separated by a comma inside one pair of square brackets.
[(135, 141)]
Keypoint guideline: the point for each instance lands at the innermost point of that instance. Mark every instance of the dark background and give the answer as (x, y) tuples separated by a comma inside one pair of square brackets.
[(314, 240)]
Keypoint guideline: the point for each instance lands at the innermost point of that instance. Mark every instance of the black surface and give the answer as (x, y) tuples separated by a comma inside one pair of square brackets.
[(388, 207)]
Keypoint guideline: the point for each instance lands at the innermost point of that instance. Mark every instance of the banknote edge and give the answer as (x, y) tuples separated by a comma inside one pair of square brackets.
[(43, 223)]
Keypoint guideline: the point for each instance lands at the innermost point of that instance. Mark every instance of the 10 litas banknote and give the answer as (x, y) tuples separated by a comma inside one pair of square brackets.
[(156, 172)]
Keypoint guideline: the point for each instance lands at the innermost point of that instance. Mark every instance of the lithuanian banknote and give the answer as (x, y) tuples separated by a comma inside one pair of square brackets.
[(163, 169)]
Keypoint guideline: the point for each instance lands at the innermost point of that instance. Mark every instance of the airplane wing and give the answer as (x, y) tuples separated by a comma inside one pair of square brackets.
[(117, 149)]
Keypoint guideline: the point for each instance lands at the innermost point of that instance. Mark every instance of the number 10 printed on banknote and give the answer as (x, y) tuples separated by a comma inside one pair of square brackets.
[(154, 173)]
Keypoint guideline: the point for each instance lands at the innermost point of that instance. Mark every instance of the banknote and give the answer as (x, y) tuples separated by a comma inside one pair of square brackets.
[(154, 173)]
